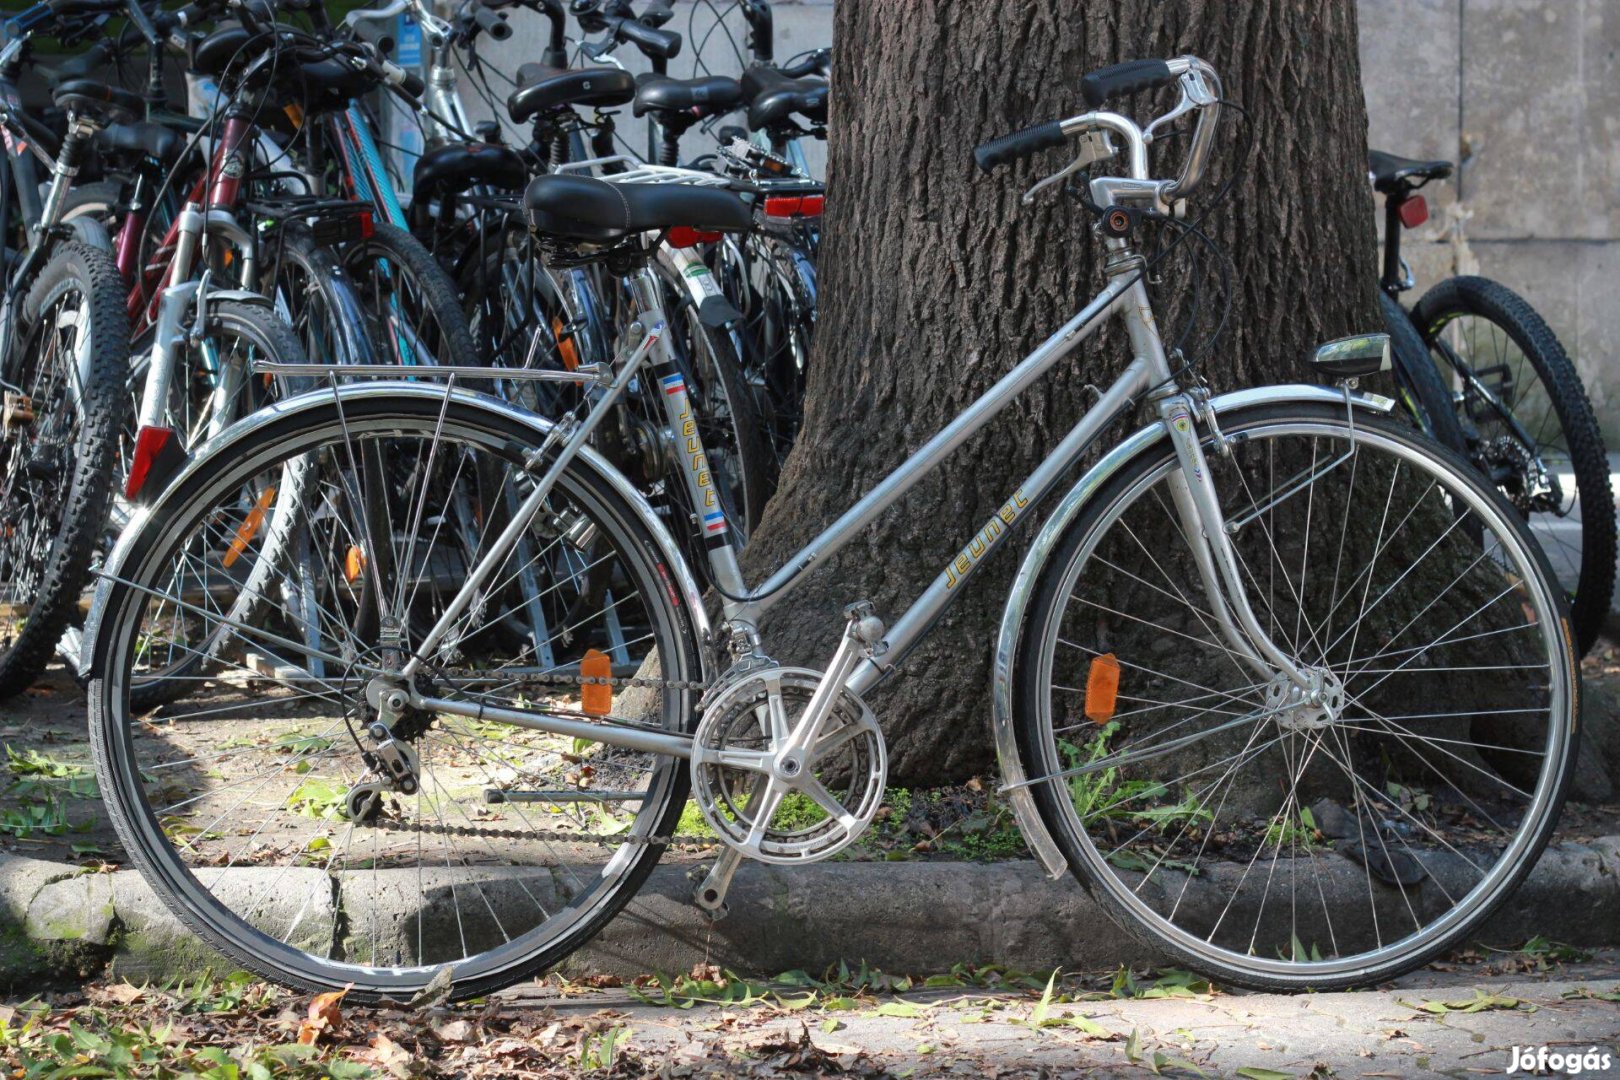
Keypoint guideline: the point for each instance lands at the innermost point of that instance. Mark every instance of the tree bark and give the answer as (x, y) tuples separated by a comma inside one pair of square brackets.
[(936, 280)]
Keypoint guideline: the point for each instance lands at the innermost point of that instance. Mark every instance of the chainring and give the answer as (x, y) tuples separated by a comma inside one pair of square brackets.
[(812, 815)]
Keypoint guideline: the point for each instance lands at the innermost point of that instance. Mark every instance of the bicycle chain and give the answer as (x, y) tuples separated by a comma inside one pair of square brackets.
[(560, 679), (603, 839)]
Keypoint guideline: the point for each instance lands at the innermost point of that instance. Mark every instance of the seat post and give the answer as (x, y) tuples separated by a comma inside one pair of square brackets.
[(1392, 279)]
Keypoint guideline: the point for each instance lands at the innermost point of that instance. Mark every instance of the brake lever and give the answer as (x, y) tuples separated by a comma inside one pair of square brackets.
[(1194, 95), (1095, 146)]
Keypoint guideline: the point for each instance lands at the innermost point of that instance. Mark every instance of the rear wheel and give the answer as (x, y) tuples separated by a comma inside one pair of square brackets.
[(258, 814), (1277, 842), (1531, 428)]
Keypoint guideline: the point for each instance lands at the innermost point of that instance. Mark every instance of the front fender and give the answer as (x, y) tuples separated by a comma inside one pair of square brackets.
[(91, 645), (1013, 778)]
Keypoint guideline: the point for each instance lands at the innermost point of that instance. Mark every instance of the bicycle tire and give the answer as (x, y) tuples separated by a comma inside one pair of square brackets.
[(1481, 298), (1423, 394), (1147, 894), (52, 597), (316, 426), (448, 339)]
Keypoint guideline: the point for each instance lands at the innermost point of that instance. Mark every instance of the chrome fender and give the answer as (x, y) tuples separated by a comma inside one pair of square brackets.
[(225, 441), (1014, 782)]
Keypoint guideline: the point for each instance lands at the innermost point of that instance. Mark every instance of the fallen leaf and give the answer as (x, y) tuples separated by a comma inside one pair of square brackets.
[(388, 1054), (454, 1032), (118, 993), (324, 1016)]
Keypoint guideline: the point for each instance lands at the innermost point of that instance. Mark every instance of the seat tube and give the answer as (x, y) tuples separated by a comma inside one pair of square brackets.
[(689, 448)]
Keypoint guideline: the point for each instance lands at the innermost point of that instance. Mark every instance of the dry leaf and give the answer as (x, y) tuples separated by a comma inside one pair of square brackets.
[(388, 1054), (324, 1016), (118, 993), (454, 1032)]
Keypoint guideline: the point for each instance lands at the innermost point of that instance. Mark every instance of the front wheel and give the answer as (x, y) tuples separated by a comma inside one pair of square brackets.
[(260, 812), (1336, 837), (64, 377)]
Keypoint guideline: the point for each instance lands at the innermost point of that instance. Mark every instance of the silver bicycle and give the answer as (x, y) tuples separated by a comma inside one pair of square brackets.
[(1287, 688)]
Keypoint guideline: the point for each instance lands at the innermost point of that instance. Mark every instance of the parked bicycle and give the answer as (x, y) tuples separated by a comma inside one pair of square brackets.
[(63, 338), (438, 802), (1486, 376)]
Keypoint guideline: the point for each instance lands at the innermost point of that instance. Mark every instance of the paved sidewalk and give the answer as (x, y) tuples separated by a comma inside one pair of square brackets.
[(1421, 1026)]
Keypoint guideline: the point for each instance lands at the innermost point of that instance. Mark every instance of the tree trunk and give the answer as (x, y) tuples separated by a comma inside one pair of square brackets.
[(936, 280)]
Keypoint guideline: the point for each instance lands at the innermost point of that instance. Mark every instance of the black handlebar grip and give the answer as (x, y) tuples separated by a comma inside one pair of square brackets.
[(1019, 144), (659, 43), (1122, 80), (413, 85), (72, 8), (492, 23)]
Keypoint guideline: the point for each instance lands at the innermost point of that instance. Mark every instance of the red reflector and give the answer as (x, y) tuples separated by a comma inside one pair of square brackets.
[(794, 205), (684, 236), (1414, 211), (368, 227), (150, 442)]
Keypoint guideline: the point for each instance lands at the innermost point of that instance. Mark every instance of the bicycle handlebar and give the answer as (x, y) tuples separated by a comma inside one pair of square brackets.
[(491, 22), (1200, 92)]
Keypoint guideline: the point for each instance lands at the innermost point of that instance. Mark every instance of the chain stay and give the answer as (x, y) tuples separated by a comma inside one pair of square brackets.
[(604, 839)]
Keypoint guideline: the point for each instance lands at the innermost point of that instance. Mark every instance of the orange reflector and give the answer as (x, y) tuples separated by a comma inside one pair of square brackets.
[(596, 698), (565, 346), (354, 563), (1102, 688), (249, 528)]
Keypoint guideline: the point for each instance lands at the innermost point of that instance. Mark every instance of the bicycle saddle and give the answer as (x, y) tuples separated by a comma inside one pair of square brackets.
[(541, 87), (98, 99), (584, 208), (707, 96), (773, 97), (1390, 172), (214, 53), (449, 170), (143, 139)]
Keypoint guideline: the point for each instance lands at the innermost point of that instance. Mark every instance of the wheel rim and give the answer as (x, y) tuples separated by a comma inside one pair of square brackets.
[(1120, 810), (473, 932)]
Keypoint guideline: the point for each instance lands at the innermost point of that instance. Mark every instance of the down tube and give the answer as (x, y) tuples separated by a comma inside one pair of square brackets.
[(920, 617)]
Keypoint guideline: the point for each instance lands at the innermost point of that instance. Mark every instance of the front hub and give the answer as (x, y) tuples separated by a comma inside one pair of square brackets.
[(1319, 704)]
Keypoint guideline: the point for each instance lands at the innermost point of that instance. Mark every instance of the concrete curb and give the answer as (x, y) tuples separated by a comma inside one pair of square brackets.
[(59, 922)]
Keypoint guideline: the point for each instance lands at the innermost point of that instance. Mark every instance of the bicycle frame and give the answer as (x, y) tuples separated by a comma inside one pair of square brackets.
[(1148, 375)]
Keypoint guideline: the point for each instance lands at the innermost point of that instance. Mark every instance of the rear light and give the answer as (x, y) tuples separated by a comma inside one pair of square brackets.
[(1414, 211), (158, 456), (684, 236), (794, 205)]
